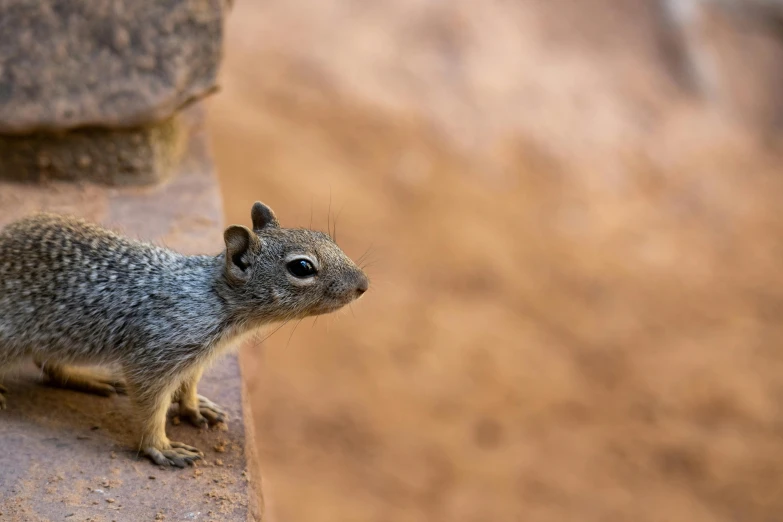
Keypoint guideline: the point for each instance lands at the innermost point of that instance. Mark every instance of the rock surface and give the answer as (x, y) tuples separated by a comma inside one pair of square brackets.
[(117, 157), (108, 63)]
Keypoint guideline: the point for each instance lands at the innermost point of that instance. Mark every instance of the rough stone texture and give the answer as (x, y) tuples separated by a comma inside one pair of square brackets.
[(134, 156), (68, 455), (116, 63)]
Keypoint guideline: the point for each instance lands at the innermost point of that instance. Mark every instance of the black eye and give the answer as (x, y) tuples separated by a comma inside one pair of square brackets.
[(301, 268)]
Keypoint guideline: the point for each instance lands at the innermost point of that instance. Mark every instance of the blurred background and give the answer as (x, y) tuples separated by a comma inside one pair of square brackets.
[(571, 215)]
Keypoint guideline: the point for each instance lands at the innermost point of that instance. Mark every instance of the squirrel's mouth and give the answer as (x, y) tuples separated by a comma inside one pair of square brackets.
[(332, 303), (328, 308)]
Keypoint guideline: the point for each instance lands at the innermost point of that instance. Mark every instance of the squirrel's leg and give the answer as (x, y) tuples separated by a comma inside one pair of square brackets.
[(151, 401), (80, 379), (200, 411), (8, 361)]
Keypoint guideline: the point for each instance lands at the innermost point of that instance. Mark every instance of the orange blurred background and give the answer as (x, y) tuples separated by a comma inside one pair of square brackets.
[(572, 214)]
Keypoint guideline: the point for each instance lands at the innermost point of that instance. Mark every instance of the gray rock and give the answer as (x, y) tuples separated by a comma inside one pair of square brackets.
[(108, 63)]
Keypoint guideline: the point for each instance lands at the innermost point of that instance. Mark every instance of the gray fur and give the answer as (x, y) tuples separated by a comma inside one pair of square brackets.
[(76, 293)]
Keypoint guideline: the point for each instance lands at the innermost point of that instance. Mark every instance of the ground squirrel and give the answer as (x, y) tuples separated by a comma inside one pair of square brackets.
[(73, 293)]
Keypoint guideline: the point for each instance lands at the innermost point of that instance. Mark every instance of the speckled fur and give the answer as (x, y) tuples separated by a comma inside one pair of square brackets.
[(73, 293)]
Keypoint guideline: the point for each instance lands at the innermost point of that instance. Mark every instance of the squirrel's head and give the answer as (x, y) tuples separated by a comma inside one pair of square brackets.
[(287, 273)]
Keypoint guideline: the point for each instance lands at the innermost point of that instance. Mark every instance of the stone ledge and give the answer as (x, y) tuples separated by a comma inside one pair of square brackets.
[(119, 157), (70, 456)]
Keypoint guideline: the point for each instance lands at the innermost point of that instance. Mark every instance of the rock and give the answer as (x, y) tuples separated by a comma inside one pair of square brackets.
[(107, 63), (135, 156)]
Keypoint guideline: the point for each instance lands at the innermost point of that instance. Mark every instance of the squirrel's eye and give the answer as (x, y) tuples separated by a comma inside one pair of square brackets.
[(301, 268)]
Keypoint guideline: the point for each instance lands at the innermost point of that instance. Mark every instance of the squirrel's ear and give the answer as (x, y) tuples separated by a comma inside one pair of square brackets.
[(263, 217), (241, 245)]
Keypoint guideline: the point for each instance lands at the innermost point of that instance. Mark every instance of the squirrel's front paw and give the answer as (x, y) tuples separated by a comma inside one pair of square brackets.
[(177, 454), (207, 414)]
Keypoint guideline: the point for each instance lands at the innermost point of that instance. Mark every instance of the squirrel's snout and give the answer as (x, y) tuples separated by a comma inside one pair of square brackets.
[(362, 285)]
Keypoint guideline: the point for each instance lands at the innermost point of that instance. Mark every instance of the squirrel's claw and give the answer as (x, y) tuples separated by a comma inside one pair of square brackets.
[(178, 455), (205, 415), (213, 413)]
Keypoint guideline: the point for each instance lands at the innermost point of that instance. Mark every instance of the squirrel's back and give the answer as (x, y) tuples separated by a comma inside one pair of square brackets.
[(79, 289), (74, 245)]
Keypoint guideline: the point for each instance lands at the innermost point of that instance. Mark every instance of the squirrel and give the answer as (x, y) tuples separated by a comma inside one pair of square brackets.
[(73, 294)]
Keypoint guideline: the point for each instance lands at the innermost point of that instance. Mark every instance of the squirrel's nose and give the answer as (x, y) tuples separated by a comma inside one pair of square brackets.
[(362, 285)]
